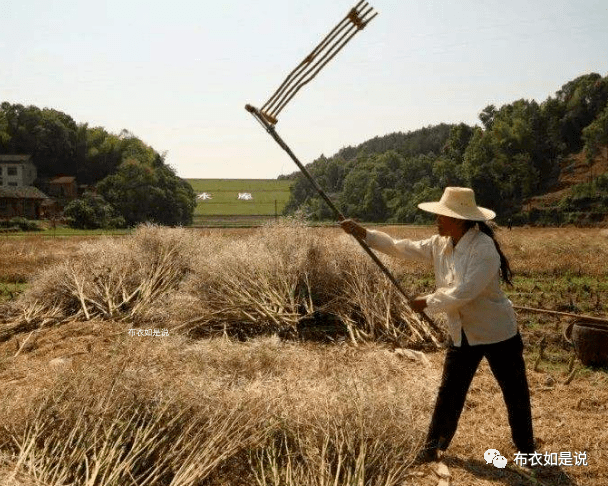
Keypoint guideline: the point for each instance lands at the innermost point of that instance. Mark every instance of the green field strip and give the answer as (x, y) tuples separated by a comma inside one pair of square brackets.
[(269, 196)]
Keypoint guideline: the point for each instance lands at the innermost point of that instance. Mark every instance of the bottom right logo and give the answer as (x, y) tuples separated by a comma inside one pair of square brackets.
[(493, 456), (577, 458)]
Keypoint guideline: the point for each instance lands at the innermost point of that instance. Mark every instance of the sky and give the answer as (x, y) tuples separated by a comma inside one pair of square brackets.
[(178, 74)]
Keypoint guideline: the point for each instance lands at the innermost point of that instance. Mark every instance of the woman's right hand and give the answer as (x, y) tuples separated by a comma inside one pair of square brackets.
[(353, 228)]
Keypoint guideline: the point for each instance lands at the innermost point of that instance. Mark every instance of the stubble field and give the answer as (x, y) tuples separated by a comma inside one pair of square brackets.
[(88, 402)]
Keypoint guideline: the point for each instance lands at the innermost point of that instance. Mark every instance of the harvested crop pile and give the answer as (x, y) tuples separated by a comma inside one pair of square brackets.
[(215, 412), (281, 279), (107, 278)]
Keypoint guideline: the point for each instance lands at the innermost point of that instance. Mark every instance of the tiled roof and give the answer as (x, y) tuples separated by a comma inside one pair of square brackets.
[(23, 192), (14, 158), (62, 180)]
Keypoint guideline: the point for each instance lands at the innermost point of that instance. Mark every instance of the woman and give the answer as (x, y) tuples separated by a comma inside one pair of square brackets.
[(481, 322)]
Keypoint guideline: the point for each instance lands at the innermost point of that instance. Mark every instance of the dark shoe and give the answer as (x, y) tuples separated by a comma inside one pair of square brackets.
[(426, 455)]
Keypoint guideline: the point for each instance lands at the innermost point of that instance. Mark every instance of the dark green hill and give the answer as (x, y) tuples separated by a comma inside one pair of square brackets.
[(132, 184), (518, 153)]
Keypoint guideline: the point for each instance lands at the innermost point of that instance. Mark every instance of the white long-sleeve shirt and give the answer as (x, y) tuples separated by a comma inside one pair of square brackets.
[(468, 283)]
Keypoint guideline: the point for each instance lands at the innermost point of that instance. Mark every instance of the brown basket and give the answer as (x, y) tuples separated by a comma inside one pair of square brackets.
[(590, 341)]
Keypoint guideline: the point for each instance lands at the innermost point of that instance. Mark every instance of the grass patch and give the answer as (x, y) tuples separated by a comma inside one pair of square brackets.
[(11, 290), (63, 232), (269, 197), (567, 292)]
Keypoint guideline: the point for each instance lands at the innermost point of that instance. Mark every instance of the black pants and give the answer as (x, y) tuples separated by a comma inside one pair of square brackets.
[(507, 364)]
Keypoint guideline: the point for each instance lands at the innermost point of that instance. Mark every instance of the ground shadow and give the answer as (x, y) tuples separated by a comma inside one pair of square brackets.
[(554, 476)]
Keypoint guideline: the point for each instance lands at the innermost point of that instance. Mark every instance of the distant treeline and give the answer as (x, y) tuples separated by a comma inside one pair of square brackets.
[(515, 154), (131, 182)]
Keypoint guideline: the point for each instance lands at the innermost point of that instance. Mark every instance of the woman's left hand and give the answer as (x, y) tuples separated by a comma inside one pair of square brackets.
[(354, 228), (418, 303)]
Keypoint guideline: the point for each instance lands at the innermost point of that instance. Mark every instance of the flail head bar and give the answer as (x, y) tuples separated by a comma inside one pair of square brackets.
[(356, 19)]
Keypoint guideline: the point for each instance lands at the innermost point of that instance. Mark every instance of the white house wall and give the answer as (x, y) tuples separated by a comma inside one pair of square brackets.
[(17, 174)]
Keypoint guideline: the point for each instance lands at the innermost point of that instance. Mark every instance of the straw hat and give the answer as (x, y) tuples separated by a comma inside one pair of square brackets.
[(458, 202)]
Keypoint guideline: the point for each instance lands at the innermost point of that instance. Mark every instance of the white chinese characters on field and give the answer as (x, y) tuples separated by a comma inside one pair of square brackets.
[(245, 196), (204, 196)]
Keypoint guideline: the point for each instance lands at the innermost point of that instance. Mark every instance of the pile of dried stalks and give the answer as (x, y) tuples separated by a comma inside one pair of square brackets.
[(109, 279), (219, 412), (279, 279), (285, 277)]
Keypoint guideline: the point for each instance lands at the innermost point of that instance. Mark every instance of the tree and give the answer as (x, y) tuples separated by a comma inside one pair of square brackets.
[(48, 135), (596, 134), (584, 98), (100, 153), (552, 111), (92, 211), (457, 142), (448, 172), (487, 116), (408, 211), (5, 136), (141, 193), (480, 168), (374, 207), (355, 187)]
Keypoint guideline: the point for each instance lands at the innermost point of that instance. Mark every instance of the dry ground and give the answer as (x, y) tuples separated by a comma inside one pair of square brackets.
[(567, 418), (562, 269)]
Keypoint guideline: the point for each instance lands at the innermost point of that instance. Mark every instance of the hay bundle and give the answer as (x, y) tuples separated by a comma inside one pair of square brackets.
[(107, 279), (286, 276), (219, 412), (276, 280)]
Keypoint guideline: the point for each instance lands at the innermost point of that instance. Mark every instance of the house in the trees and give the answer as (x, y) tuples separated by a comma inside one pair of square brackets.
[(18, 196), (63, 187), (17, 171), (25, 201)]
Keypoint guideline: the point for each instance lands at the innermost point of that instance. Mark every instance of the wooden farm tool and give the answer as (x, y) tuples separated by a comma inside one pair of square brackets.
[(587, 334), (356, 19), (598, 320)]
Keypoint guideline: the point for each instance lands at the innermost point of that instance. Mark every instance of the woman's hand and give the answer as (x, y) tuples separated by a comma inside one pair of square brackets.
[(354, 229), (418, 303)]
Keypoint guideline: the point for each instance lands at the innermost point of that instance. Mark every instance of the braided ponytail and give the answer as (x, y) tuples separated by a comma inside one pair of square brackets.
[(505, 269)]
